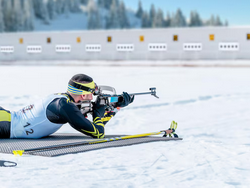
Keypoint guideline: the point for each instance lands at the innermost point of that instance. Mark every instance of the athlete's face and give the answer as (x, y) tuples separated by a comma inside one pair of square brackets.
[(87, 97)]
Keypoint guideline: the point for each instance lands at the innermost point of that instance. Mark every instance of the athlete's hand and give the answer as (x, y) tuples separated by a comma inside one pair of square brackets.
[(98, 108), (124, 100)]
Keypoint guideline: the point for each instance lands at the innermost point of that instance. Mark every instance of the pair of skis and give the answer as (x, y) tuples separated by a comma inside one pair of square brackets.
[(169, 132)]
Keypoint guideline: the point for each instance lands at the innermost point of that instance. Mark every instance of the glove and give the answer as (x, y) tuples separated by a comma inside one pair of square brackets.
[(124, 100), (98, 108)]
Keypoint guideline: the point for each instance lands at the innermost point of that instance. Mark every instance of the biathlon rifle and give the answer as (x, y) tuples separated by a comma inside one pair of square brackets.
[(86, 107)]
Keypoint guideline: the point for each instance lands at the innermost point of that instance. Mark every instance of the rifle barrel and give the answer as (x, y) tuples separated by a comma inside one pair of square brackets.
[(145, 93)]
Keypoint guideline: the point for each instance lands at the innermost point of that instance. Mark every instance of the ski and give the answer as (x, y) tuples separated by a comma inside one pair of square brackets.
[(7, 163)]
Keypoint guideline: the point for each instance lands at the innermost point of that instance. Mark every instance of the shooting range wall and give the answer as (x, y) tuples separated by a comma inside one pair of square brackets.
[(208, 43)]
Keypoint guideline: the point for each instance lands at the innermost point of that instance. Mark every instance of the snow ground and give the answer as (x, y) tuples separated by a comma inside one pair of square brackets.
[(211, 106)]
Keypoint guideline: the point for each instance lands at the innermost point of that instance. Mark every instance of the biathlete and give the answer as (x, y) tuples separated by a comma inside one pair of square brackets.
[(47, 115)]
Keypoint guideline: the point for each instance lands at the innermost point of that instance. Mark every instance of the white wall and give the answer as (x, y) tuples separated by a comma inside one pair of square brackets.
[(158, 44)]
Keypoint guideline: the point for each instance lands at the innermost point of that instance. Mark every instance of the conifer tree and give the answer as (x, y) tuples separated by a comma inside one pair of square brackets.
[(195, 20), (101, 3), (19, 18), (51, 6), (84, 2), (178, 20), (167, 21), (159, 20), (1, 18), (145, 20), (111, 21), (28, 15), (218, 21), (41, 11), (152, 15), (139, 12), (108, 3), (74, 5), (211, 21), (59, 6), (93, 16), (67, 7), (9, 16), (123, 20), (226, 23)]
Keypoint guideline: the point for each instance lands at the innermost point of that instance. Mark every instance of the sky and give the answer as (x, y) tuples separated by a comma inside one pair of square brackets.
[(237, 13)]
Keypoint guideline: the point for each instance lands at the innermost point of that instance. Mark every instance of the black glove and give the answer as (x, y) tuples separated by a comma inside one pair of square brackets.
[(124, 100), (98, 108)]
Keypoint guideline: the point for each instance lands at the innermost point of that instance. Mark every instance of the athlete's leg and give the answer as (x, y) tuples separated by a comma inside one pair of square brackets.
[(5, 119)]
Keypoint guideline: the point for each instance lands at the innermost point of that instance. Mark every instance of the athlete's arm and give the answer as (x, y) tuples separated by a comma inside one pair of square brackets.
[(108, 116), (75, 118)]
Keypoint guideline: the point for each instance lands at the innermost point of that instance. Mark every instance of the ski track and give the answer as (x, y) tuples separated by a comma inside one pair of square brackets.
[(212, 112)]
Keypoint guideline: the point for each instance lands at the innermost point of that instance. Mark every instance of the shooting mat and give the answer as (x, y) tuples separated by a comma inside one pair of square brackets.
[(8, 145)]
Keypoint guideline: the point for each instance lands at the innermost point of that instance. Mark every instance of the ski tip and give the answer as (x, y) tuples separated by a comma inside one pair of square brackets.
[(18, 152), (7, 163)]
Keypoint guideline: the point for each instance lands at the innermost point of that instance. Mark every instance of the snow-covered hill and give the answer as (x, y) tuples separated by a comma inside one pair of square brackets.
[(79, 21), (76, 21), (48, 15)]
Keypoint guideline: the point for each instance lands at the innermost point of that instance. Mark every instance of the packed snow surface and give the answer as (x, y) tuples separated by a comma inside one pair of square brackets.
[(211, 106)]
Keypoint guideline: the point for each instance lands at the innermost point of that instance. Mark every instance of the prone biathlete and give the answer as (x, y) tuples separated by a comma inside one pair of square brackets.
[(47, 115)]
